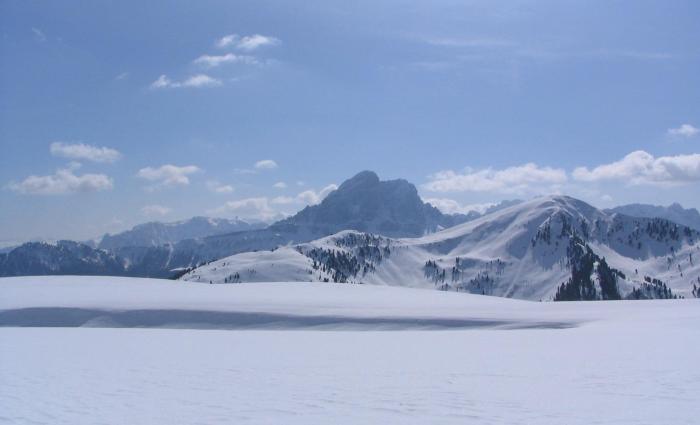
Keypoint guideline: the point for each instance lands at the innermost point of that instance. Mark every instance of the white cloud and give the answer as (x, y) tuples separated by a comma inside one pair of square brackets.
[(201, 80), (280, 185), (162, 82), (217, 187), (168, 175), (310, 197), (155, 210), (81, 151), (283, 200), (247, 43), (264, 208), (122, 76), (195, 81), (519, 179), (685, 130), (227, 40), (39, 35), (640, 167), (266, 164), (450, 206), (254, 41), (63, 182), (258, 208), (214, 61)]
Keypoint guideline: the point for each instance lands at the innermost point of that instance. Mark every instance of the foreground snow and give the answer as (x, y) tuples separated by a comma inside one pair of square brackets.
[(135, 302), (573, 363)]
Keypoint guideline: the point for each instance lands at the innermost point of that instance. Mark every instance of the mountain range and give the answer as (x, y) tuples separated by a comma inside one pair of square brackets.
[(373, 231), (155, 234), (363, 203), (550, 248), (674, 212)]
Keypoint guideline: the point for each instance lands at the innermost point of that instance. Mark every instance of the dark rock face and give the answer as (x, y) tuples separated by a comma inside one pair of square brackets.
[(364, 203)]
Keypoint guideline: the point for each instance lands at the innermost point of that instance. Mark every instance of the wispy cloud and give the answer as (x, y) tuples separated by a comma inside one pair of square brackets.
[(217, 187), (492, 51), (195, 81), (264, 208), (311, 197), (280, 185), (64, 181), (469, 42), (211, 61), (450, 206), (266, 164), (257, 208), (39, 35), (247, 43), (525, 178), (82, 151), (155, 210), (685, 130), (168, 175)]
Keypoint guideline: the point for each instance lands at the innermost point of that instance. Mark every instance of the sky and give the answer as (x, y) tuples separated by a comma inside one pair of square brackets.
[(114, 113)]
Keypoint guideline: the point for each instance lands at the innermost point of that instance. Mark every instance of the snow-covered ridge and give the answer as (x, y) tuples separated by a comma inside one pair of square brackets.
[(526, 251)]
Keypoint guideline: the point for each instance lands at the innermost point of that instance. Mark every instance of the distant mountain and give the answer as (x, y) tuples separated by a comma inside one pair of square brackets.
[(362, 203), (155, 233), (61, 258), (551, 248), (367, 204), (674, 212)]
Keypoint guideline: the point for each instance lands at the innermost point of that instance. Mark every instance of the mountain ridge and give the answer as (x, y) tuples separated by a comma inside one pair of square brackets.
[(675, 212), (537, 250), (363, 202)]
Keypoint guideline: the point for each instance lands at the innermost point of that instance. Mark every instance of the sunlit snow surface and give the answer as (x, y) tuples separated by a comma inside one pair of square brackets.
[(484, 360)]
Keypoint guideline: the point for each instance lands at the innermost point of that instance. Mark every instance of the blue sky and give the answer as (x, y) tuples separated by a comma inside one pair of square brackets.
[(115, 113)]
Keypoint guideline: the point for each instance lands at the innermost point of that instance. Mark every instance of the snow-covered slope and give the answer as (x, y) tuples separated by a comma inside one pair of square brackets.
[(526, 251)]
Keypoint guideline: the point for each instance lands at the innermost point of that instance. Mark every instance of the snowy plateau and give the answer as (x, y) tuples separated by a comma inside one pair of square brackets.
[(116, 350)]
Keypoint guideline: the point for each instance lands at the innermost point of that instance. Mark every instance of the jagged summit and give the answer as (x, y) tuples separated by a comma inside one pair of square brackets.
[(361, 180), (366, 203)]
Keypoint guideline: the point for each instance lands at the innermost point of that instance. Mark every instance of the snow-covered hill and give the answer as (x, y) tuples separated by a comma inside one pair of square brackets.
[(549, 248)]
